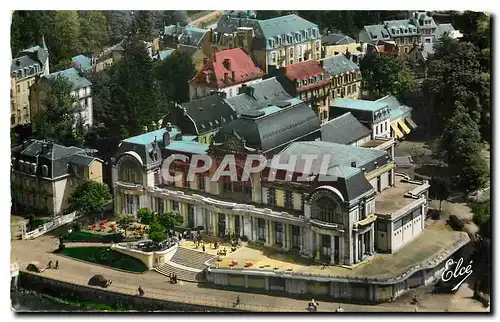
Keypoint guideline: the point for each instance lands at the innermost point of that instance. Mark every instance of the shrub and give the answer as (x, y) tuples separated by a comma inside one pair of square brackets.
[(244, 238)]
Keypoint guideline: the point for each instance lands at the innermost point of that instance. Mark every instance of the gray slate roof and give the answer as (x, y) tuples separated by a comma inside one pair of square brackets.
[(272, 128), (56, 157), (72, 75), (258, 95), (337, 39), (337, 65), (345, 129), (209, 113), (29, 58), (349, 180)]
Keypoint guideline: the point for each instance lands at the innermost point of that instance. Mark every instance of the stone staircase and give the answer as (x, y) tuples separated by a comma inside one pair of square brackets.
[(187, 264), (190, 258), (182, 274)]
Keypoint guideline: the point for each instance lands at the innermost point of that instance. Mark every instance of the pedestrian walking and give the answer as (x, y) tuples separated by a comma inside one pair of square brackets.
[(50, 264), (141, 291), (203, 247), (57, 265)]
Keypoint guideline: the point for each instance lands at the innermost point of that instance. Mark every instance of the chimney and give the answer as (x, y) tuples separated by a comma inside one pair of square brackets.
[(166, 139), (233, 75), (227, 63), (18, 62), (168, 127), (353, 164)]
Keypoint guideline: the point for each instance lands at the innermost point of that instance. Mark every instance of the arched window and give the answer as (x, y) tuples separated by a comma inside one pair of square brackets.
[(326, 209), (130, 171)]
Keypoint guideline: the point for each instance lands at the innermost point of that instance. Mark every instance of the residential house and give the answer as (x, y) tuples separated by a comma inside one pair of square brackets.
[(404, 33), (400, 117), (226, 71), (202, 117), (344, 75), (82, 62), (308, 81), (418, 56), (341, 219), (345, 129), (228, 37), (262, 94), (426, 24), (336, 44), (448, 30), (81, 91), (192, 39), (382, 47), (24, 68), (44, 174), (108, 57), (284, 41)]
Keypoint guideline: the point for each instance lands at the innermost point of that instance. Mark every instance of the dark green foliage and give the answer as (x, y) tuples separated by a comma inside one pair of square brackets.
[(455, 80), (157, 232), (134, 93), (90, 196), (439, 189), (88, 237), (461, 146), (56, 121), (65, 36), (146, 216), (386, 74), (173, 75), (94, 30), (27, 29), (170, 220), (143, 24), (481, 214), (107, 257), (120, 23)]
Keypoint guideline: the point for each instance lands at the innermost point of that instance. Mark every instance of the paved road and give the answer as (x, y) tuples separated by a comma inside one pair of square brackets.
[(157, 286)]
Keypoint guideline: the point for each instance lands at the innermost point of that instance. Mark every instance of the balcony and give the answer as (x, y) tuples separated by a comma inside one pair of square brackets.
[(129, 186)]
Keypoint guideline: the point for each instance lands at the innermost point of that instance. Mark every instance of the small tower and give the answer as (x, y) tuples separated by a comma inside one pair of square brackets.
[(46, 67)]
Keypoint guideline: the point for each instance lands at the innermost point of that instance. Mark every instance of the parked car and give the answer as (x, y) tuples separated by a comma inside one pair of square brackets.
[(99, 280), (35, 267)]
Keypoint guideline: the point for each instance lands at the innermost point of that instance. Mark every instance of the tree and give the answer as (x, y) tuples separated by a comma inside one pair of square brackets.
[(386, 74), (481, 213), (143, 24), (27, 29), (125, 222), (170, 220), (439, 189), (455, 79), (157, 232), (146, 216), (134, 100), (56, 120), (461, 146), (173, 75), (89, 197), (120, 23), (94, 30), (65, 36)]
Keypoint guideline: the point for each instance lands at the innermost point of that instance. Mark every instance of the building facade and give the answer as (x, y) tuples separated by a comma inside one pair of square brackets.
[(402, 32), (28, 64), (44, 174), (225, 71), (81, 91), (344, 75), (332, 218), (336, 44), (308, 81)]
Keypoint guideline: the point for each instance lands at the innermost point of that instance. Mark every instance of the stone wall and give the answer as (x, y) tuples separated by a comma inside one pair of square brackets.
[(52, 287)]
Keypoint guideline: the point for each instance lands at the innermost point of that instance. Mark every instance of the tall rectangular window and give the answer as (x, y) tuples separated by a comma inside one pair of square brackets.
[(271, 196), (175, 205), (288, 199), (278, 228), (261, 229), (201, 183)]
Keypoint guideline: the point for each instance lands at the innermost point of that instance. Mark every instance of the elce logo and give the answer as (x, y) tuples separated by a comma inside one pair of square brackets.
[(449, 273)]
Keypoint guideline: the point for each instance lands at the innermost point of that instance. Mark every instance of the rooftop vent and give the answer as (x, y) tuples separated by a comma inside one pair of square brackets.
[(353, 164)]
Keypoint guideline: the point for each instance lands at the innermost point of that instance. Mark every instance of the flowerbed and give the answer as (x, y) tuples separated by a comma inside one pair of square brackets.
[(84, 236), (107, 257)]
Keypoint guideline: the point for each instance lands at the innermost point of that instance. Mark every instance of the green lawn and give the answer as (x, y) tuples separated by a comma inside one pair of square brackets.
[(85, 236), (107, 257)]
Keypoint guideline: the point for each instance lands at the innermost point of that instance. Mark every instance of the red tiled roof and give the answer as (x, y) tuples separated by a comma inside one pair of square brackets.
[(239, 62), (309, 68), (306, 69)]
